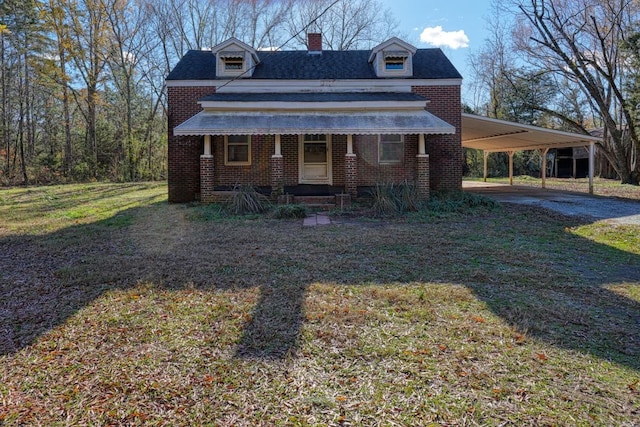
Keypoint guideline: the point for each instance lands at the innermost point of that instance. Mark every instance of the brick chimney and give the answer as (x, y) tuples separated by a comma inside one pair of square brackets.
[(314, 42)]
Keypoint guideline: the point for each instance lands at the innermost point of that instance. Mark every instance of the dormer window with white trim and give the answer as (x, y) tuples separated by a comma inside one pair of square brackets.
[(234, 59), (393, 58)]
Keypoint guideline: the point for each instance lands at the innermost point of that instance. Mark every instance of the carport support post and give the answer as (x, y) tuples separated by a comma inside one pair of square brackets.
[(511, 153), (592, 157), (484, 173), (544, 167)]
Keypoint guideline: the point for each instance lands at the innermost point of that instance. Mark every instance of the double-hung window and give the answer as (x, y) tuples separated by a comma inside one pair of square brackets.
[(390, 149), (237, 150)]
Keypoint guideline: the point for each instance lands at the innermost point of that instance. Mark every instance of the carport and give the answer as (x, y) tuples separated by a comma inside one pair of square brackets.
[(500, 136)]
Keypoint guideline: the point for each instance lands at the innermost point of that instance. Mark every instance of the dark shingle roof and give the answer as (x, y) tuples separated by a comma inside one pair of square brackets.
[(314, 97), (300, 65)]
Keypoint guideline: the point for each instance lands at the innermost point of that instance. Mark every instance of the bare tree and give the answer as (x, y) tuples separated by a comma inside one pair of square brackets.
[(58, 21), (581, 40), (89, 33), (354, 24)]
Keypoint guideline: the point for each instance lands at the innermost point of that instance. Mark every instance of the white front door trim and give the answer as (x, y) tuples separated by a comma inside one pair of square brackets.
[(314, 172)]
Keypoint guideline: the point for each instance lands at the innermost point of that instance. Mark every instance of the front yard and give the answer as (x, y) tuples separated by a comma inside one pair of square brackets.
[(117, 308)]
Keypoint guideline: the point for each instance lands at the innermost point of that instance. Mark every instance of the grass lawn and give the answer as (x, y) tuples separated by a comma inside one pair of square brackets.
[(117, 308)]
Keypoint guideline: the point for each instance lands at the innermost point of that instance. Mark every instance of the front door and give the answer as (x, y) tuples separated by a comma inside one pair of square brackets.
[(315, 159)]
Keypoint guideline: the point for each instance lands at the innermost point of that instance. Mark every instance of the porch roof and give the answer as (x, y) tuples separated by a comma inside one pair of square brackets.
[(311, 122)]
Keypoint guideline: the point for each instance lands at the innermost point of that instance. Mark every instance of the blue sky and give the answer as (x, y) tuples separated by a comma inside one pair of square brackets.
[(457, 27)]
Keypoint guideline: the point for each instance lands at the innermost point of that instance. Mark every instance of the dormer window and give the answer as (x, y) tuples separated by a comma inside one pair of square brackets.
[(395, 61), (234, 59), (393, 58)]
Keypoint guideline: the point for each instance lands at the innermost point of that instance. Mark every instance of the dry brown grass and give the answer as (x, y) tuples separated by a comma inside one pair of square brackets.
[(152, 315)]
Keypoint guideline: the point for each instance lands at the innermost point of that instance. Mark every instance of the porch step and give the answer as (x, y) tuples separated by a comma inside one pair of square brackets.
[(316, 202)]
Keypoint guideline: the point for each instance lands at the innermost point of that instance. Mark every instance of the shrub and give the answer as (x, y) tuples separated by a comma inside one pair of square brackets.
[(459, 201), (289, 211), (246, 200)]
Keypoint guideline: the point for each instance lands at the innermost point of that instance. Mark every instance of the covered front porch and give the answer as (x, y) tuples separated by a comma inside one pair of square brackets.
[(312, 164), (321, 143)]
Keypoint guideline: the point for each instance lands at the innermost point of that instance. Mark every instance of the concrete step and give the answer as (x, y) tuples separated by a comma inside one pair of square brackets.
[(315, 200)]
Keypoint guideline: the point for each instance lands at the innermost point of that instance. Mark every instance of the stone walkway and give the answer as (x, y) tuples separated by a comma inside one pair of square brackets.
[(316, 219)]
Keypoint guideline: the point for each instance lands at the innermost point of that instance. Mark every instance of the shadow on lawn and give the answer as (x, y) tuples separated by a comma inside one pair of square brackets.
[(563, 299)]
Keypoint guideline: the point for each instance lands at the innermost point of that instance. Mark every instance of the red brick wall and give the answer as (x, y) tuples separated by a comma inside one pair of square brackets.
[(445, 151), (258, 173), (289, 147), (184, 151), (371, 172), (338, 150)]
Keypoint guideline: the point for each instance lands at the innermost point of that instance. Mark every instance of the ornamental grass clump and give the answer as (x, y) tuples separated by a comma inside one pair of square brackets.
[(384, 203), (393, 199), (245, 199)]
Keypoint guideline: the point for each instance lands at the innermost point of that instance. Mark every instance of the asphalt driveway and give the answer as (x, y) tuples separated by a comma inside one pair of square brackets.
[(619, 211)]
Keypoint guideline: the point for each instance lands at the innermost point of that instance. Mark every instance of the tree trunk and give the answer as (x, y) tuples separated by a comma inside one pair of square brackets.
[(20, 141), (68, 153), (5, 124)]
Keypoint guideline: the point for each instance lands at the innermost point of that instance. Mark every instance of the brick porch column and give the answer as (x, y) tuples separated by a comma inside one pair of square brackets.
[(422, 181), (350, 169), (277, 170), (206, 172)]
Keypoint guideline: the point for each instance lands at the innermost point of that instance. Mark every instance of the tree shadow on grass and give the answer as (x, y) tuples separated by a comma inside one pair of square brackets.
[(539, 277), (549, 284)]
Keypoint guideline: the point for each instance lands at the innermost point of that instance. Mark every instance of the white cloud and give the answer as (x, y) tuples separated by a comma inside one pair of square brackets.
[(436, 36)]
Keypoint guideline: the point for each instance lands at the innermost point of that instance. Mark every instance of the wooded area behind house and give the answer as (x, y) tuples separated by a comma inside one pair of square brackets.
[(82, 81)]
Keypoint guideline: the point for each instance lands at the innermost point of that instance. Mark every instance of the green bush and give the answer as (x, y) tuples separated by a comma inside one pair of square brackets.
[(458, 201), (289, 211)]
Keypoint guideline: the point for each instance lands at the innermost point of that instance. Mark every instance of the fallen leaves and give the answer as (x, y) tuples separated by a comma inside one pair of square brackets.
[(542, 357)]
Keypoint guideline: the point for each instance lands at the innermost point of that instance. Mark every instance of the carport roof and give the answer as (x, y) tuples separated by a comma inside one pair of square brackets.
[(495, 135)]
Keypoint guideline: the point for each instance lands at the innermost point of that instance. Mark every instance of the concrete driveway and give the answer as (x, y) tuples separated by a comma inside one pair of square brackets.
[(599, 208)]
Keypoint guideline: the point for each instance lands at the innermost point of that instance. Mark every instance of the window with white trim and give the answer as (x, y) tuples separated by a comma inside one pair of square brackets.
[(237, 150), (390, 148)]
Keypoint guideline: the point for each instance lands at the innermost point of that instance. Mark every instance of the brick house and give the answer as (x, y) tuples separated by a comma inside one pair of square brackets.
[(313, 122)]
